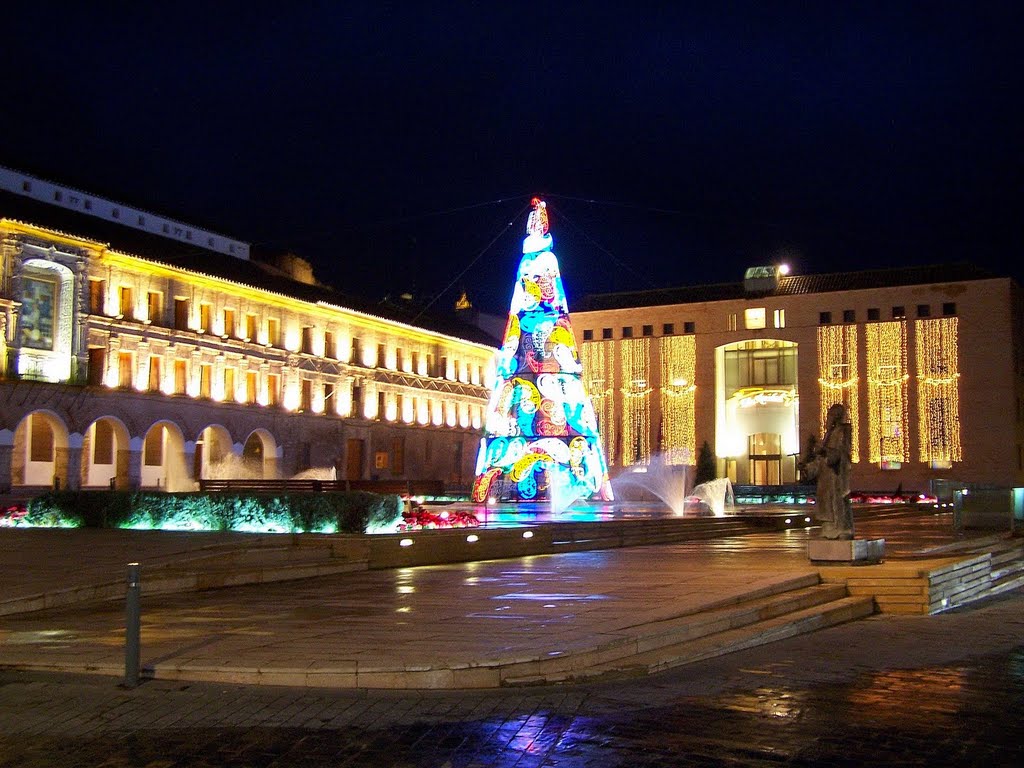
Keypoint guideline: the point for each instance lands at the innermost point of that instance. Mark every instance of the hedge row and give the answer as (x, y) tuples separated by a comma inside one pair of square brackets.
[(343, 512)]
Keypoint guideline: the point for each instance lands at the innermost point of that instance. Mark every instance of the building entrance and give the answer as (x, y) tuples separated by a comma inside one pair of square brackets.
[(765, 454)]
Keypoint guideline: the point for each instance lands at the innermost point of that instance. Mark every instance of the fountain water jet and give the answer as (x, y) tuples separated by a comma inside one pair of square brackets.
[(717, 494)]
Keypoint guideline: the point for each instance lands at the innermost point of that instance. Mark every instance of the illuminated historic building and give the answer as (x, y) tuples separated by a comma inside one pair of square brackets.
[(140, 351), (928, 361)]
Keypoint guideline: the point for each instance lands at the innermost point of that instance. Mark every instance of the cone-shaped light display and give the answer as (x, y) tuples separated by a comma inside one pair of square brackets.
[(540, 437)]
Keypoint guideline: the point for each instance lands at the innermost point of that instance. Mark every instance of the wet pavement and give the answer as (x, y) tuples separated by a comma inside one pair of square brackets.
[(939, 690), (890, 690)]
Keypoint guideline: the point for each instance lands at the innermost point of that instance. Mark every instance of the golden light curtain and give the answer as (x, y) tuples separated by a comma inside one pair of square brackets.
[(938, 390), (678, 370), (838, 377), (887, 392), (598, 372), (636, 401)]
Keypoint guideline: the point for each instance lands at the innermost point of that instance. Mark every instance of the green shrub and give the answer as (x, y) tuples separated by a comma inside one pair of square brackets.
[(352, 512)]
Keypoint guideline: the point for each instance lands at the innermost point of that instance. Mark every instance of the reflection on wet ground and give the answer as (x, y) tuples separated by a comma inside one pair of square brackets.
[(965, 714)]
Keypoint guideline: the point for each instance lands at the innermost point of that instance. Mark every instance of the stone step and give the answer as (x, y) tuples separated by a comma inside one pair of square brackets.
[(172, 581), (797, 606)]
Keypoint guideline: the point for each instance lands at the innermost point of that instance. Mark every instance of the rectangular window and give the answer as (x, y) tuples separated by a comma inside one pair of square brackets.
[(124, 369), (754, 318), (273, 389), (924, 310), (627, 332), (205, 317), (230, 329), (97, 296), (273, 331), (668, 329), (103, 443), (250, 387), (154, 448), (588, 335), (181, 314), (733, 321), (648, 330), (180, 377), (874, 314), (229, 384), (155, 307), (307, 340), (779, 318), (155, 373), (97, 365), (42, 445), (689, 327), (849, 316), (356, 357), (329, 348), (205, 380), (250, 327), (124, 303), (306, 395), (606, 333), (898, 313), (329, 405), (824, 318), (381, 356), (949, 308)]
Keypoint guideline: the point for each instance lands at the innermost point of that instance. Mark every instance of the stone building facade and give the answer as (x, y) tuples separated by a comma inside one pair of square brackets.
[(929, 362), (135, 360)]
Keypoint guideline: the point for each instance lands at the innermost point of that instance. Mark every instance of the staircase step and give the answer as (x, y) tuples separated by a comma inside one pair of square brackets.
[(718, 644)]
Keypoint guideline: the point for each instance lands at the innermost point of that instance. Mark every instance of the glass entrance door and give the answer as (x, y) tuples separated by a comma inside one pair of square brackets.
[(765, 452)]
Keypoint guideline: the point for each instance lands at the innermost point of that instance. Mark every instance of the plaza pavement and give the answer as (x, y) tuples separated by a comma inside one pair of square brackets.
[(422, 627)]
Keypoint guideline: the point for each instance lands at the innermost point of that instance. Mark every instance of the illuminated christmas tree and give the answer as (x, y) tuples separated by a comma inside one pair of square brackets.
[(541, 437)]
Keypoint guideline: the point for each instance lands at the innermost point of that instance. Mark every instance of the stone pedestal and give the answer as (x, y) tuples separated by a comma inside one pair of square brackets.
[(846, 551)]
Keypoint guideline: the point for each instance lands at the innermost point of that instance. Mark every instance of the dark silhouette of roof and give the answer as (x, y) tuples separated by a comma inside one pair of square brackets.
[(789, 285), (254, 272)]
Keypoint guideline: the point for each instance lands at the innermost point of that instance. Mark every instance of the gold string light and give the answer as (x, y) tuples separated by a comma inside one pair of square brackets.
[(678, 370), (636, 401), (938, 395), (887, 392), (838, 376), (597, 377)]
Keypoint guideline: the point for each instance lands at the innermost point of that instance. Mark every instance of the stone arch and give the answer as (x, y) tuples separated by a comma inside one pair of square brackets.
[(163, 458), (105, 453), (259, 455), (40, 455), (214, 454)]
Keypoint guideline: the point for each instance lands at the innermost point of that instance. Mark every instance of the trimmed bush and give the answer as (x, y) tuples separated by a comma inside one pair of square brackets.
[(352, 512)]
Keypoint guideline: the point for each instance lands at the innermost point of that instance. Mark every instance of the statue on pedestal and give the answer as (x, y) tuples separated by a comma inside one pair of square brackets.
[(828, 461)]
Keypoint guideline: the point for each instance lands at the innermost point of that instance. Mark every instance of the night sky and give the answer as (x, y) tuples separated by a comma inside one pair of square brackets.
[(392, 144)]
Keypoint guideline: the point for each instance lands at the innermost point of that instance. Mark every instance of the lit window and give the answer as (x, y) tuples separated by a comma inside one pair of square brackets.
[(779, 318), (754, 318)]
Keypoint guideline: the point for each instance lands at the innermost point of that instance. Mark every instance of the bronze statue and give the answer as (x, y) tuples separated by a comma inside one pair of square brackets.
[(828, 461)]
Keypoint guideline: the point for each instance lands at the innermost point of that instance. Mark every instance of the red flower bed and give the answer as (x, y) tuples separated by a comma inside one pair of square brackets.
[(419, 518), (12, 515)]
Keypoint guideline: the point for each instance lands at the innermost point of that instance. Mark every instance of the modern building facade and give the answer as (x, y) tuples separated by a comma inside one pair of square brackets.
[(138, 351), (929, 362)]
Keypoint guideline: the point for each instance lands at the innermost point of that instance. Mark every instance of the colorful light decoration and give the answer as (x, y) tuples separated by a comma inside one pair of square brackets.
[(678, 394), (938, 396), (838, 376), (598, 375), (636, 402), (887, 392), (541, 438)]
